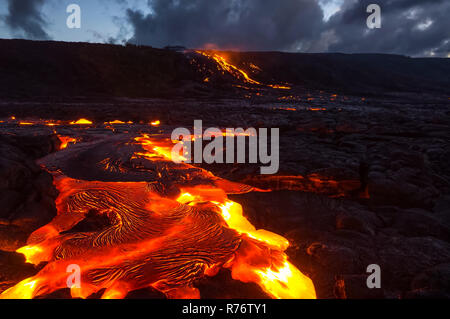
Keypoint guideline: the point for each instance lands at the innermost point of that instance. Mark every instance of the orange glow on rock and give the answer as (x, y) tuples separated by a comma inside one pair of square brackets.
[(226, 66), (280, 87), (115, 122), (65, 141), (316, 109), (23, 290), (30, 253), (156, 240), (156, 150), (232, 213), (81, 122)]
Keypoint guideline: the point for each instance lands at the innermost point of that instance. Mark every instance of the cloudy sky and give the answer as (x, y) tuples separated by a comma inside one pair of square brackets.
[(409, 27)]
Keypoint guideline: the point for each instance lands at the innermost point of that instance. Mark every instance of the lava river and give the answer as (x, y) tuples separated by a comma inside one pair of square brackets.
[(166, 226)]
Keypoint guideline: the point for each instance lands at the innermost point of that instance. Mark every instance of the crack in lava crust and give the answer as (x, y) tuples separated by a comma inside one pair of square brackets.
[(165, 233)]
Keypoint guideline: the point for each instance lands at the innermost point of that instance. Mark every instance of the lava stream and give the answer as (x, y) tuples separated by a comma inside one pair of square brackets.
[(154, 237), (236, 72)]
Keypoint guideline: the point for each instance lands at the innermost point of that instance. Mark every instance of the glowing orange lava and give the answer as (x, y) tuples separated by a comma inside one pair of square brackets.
[(81, 122), (115, 122), (51, 124), (280, 87), (65, 141), (226, 66), (156, 240)]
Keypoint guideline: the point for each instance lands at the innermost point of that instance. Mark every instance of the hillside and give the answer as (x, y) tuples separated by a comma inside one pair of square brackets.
[(42, 69)]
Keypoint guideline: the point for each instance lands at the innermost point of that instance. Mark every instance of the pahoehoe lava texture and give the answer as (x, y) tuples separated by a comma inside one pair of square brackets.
[(149, 238), (187, 239)]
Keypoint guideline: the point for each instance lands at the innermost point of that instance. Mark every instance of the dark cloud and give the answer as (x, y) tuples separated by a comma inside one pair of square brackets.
[(411, 27), (229, 24), (24, 17)]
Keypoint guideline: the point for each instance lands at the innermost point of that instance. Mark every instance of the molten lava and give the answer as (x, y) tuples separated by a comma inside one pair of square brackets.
[(229, 68), (166, 233), (65, 141), (226, 67), (115, 122), (81, 122)]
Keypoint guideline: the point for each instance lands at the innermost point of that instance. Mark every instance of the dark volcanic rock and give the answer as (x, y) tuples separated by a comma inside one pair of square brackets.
[(58, 294), (146, 293), (222, 286), (335, 240), (32, 68), (355, 287), (401, 177), (13, 269), (27, 194), (436, 278)]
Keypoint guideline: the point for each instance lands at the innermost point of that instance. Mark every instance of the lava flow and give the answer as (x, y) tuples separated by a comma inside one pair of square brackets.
[(166, 232), (236, 72), (66, 140)]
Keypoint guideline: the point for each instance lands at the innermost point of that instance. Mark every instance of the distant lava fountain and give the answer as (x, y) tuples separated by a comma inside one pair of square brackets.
[(171, 226)]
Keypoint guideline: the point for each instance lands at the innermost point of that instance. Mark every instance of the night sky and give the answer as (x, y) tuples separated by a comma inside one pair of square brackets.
[(409, 27)]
